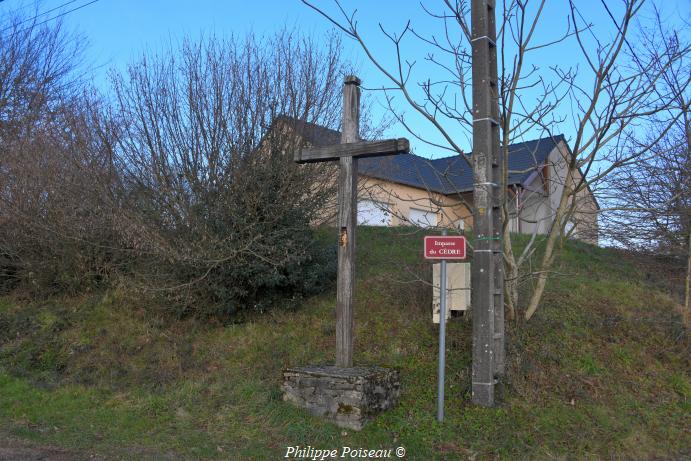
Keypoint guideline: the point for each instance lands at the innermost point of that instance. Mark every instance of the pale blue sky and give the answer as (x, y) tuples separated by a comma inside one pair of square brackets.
[(120, 30)]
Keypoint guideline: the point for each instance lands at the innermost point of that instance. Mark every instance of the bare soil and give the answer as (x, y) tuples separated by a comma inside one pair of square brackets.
[(14, 449)]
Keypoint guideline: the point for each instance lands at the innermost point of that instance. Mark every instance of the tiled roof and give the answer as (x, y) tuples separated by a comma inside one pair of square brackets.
[(446, 175), (316, 135), (524, 159)]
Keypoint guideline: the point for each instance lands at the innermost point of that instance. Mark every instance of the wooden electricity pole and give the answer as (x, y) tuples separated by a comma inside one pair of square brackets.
[(487, 275), (347, 153)]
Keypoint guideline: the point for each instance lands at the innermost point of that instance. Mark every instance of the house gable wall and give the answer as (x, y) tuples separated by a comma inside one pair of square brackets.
[(584, 218), (402, 198)]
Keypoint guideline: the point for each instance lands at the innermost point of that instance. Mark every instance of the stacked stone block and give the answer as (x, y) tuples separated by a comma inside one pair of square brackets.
[(348, 397)]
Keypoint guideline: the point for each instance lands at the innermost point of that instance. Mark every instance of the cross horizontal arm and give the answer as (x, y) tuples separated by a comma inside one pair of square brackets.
[(354, 149)]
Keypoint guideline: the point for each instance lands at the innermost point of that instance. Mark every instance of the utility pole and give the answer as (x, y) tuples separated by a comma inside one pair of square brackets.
[(488, 274)]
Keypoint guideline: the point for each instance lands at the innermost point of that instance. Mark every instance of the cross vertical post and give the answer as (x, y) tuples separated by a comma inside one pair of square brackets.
[(487, 279), (347, 220), (347, 153), (326, 387)]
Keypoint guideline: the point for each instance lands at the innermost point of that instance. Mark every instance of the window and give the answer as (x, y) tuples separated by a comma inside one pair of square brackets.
[(422, 218), (373, 213)]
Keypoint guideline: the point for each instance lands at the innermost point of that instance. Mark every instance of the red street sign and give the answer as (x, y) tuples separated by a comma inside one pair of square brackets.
[(444, 247)]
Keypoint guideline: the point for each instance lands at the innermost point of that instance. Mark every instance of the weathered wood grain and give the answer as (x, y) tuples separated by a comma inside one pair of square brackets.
[(347, 220), (353, 149), (347, 153)]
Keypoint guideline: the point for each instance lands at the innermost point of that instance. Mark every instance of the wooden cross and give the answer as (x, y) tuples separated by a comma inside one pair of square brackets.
[(347, 153)]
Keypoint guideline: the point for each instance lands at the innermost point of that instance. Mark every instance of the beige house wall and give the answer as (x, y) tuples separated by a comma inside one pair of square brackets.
[(584, 218), (399, 199), (538, 201)]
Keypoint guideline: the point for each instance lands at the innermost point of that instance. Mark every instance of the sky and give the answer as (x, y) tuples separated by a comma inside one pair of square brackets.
[(119, 31)]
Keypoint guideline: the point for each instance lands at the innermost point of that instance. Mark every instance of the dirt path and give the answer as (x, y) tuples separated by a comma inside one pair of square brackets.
[(14, 449)]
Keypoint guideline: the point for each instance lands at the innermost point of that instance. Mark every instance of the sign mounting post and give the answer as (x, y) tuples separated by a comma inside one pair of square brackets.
[(443, 248), (347, 154)]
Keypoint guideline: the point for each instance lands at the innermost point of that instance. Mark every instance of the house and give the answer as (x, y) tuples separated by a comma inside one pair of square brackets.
[(413, 190)]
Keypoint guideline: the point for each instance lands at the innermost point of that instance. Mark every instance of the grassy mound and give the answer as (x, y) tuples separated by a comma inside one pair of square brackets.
[(601, 372)]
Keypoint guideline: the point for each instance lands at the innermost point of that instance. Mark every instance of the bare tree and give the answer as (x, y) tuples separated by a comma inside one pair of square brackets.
[(182, 180), (213, 203), (600, 101), (649, 204), (39, 90)]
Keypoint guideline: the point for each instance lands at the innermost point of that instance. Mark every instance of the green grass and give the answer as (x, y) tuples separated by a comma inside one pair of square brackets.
[(601, 372)]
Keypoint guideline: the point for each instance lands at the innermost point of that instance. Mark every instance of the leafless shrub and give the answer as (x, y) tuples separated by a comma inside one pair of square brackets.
[(183, 181), (214, 208), (46, 175)]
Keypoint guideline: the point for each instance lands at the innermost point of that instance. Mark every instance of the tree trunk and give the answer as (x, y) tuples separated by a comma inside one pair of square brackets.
[(510, 275), (548, 256), (546, 263), (685, 314)]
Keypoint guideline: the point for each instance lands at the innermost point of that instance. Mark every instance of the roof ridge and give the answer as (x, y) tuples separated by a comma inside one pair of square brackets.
[(303, 121), (556, 137)]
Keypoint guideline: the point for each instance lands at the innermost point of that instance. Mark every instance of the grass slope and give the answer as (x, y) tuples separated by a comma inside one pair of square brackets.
[(601, 373)]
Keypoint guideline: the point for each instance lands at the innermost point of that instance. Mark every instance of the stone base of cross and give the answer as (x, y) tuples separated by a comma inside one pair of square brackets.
[(346, 395)]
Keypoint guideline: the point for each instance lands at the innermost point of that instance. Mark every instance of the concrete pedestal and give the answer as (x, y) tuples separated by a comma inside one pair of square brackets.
[(348, 397)]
